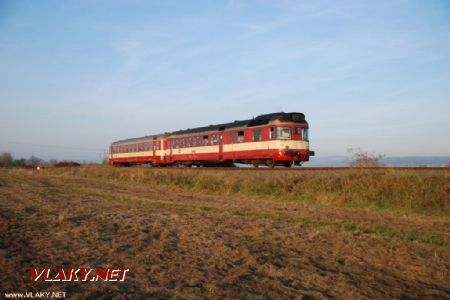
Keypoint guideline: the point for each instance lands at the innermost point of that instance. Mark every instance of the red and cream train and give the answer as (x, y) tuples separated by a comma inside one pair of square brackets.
[(272, 139)]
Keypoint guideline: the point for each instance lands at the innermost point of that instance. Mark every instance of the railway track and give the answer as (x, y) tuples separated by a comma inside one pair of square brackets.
[(299, 169)]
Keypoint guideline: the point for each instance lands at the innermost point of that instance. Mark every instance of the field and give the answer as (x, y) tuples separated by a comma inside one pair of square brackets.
[(211, 233)]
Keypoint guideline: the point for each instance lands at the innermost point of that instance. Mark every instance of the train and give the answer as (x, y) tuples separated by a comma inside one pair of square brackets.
[(276, 139)]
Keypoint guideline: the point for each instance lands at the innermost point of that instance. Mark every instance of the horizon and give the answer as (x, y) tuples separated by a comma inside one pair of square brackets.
[(78, 76)]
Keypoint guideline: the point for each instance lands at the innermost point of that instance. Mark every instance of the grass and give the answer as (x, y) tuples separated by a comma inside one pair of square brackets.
[(420, 191), (374, 229)]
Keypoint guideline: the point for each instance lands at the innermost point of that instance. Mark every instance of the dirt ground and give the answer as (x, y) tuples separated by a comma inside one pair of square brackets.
[(186, 245)]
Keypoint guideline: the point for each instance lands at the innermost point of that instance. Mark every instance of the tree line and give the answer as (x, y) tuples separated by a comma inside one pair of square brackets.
[(8, 161)]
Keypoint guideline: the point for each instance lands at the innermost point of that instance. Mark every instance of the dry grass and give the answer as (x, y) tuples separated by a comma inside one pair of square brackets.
[(193, 234), (421, 191)]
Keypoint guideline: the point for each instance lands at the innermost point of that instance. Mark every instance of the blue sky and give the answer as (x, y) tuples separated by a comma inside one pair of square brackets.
[(77, 75)]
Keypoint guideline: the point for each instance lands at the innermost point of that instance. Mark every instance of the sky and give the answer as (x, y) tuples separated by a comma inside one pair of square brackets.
[(78, 75)]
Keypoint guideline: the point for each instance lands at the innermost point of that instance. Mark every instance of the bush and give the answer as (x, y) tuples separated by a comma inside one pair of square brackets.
[(359, 158), (6, 160)]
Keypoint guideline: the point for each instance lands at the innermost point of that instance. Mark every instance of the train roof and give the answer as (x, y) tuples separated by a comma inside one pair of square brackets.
[(259, 120)]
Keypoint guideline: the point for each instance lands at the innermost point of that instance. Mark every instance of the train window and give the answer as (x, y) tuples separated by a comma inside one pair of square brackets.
[(284, 133), (297, 130), (305, 134), (257, 135), (175, 144), (205, 140), (183, 143), (157, 145), (213, 139), (273, 133), (190, 141), (197, 141), (240, 137)]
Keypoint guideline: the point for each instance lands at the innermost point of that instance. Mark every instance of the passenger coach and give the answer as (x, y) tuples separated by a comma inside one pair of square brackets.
[(272, 139)]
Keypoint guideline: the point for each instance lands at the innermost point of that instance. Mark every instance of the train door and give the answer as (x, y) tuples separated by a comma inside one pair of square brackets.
[(220, 142), (170, 150), (153, 143), (220, 145)]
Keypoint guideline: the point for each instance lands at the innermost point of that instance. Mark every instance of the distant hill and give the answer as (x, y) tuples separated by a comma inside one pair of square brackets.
[(402, 161)]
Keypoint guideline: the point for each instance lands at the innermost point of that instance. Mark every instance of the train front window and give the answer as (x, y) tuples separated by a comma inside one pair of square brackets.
[(284, 133), (305, 134)]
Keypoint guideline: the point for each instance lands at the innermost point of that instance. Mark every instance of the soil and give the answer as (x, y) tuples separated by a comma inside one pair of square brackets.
[(187, 245)]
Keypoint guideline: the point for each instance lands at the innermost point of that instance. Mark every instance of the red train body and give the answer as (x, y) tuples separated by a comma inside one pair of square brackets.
[(272, 139)]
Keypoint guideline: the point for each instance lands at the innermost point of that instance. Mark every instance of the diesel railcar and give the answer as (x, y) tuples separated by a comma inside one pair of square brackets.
[(277, 139)]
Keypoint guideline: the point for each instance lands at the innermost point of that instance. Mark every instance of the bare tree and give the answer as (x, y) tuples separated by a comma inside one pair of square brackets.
[(360, 158), (21, 162), (52, 162), (34, 161), (6, 159)]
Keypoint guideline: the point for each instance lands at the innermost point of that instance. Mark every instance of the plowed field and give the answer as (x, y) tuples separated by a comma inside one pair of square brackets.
[(185, 243)]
